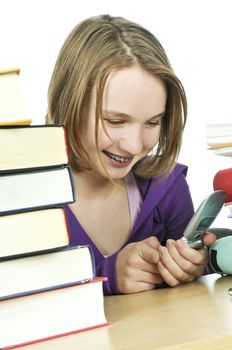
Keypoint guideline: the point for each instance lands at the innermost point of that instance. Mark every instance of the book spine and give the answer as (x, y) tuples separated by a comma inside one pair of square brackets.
[(31, 170), (93, 260), (10, 71), (72, 182), (65, 141)]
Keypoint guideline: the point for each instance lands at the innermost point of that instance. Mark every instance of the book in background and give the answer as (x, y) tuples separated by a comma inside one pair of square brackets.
[(219, 138), (50, 314), (12, 110)]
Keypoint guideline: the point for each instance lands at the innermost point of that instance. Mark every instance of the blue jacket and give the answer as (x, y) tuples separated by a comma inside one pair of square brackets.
[(167, 208)]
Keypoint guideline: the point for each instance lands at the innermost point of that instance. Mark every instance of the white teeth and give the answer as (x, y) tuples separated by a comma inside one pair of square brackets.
[(119, 159)]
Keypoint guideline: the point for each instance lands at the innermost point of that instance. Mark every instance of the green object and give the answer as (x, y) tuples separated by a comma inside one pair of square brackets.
[(220, 256)]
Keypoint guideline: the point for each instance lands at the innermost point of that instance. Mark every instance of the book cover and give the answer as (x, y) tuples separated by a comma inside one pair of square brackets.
[(33, 231), (10, 90), (38, 188), (30, 274), (50, 314), (25, 147)]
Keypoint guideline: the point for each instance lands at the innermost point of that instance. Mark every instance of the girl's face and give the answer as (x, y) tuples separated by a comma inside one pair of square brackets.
[(133, 106)]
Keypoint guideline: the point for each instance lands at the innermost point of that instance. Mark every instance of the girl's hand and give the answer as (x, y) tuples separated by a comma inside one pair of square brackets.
[(179, 263), (137, 266)]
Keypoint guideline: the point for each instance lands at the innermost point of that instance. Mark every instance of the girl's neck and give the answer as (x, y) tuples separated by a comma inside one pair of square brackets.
[(91, 184)]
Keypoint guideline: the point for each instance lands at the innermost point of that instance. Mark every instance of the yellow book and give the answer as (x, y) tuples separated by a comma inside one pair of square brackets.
[(12, 111), (33, 231), (32, 146)]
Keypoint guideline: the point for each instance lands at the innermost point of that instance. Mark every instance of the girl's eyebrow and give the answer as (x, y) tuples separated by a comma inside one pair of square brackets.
[(120, 114), (160, 115)]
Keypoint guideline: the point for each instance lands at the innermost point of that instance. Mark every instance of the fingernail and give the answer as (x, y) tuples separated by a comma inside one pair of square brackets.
[(169, 242)]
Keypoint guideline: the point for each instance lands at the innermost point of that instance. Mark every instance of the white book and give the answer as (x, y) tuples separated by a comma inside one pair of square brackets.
[(50, 314), (218, 129), (35, 189), (30, 274)]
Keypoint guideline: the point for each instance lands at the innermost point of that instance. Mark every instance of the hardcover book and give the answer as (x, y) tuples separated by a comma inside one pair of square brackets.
[(50, 314), (30, 274), (25, 147), (33, 231), (21, 191)]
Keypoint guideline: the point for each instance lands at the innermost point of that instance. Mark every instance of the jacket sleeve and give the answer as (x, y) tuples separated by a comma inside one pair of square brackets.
[(176, 208)]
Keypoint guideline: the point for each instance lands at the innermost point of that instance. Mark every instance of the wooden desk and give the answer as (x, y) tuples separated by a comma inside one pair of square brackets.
[(197, 315)]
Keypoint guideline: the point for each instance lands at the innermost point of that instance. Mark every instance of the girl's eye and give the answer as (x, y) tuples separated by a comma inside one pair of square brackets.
[(114, 122), (153, 123)]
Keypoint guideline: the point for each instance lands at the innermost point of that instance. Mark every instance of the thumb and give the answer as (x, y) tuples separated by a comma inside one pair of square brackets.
[(209, 238)]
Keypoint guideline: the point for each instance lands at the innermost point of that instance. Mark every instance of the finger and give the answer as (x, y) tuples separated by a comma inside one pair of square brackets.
[(173, 267), (183, 263), (197, 257), (147, 277), (152, 242), (145, 252), (168, 277), (143, 265), (144, 281), (209, 238)]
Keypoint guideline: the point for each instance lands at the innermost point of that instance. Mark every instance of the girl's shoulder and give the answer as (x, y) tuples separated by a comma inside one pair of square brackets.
[(161, 183)]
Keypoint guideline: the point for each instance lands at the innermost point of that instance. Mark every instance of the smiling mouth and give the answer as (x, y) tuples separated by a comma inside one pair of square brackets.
[(117, 157)]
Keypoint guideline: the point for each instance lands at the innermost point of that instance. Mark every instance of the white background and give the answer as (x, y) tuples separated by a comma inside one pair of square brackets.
[(195, 33)]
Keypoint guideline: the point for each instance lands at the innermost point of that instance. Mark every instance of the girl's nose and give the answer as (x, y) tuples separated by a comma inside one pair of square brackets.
[(132, 141)]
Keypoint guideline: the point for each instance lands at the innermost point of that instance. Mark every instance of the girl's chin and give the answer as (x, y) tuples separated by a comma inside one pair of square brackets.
[(115, 174), (119, 173)]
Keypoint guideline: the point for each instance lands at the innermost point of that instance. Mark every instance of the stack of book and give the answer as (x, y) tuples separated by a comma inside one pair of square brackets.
[(47, 288), (219, 138)]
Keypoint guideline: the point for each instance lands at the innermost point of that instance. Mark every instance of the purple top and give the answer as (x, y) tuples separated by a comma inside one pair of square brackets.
[(166, 209)]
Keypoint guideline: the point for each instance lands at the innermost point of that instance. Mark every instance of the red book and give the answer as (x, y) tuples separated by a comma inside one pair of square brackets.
[(49, 314)]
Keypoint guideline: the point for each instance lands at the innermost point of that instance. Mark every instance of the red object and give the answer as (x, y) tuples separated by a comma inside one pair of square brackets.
[(223, 181)]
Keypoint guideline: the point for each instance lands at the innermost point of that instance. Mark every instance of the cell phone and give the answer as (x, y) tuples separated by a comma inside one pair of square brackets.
[(203, 218)]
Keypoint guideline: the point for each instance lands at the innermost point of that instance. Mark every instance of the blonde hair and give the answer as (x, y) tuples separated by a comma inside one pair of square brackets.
[(92, 50)]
